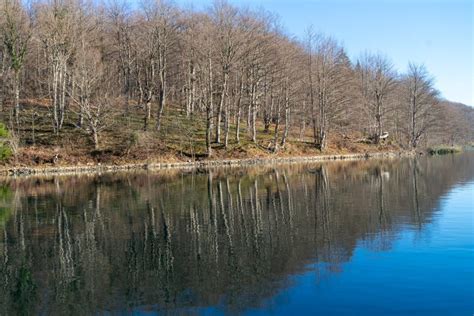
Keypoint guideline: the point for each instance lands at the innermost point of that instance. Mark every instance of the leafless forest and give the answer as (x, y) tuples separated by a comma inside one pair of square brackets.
[(87, 78)]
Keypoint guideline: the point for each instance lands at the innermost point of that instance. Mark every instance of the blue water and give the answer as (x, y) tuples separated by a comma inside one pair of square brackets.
[(428, 271), (376, 237)]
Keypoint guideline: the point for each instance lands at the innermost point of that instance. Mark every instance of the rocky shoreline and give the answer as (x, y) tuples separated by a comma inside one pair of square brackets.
[(81, 169)]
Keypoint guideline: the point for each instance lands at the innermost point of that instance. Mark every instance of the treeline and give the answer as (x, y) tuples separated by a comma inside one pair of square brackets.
[(234, 69)]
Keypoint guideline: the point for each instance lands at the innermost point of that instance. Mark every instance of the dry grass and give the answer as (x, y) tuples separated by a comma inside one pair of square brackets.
[(180, 139)]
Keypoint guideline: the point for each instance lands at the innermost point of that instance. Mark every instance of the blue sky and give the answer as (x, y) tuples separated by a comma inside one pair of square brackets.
[(437, 33)]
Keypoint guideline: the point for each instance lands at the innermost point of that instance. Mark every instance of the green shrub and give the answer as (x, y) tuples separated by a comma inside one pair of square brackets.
[(444, 150), (4, 134), (5, 150)]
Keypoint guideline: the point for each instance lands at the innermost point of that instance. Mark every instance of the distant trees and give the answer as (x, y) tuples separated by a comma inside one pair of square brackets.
[(230, 71), (452, 124)]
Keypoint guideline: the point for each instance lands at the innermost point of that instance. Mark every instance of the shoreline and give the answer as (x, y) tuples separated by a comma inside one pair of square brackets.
[(84, 169)]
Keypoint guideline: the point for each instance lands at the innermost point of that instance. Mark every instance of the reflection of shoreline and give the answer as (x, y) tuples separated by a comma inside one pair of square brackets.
[(71, 170), (225, 237)]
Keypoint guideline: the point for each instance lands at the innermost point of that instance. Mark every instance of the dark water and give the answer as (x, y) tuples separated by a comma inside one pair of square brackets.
[(376, 237)]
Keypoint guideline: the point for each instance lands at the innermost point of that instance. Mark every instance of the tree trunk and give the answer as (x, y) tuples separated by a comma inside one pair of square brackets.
[(191, 90), (161, 100), (287, 118), (378, 118), (267, 115), (413, 123), (209, 110), (147, 117), (149, 95), (163, 90), (62, 109), (254, 114), (95, 137), (55, 96), (322, 124), (226, 125), (277, 125), (220, 107), (17, 98), (239, 112)]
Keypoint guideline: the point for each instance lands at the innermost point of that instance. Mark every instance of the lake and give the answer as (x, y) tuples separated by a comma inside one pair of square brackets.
[(369, 237)]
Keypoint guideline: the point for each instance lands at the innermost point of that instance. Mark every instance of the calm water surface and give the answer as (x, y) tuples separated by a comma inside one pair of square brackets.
[(378, 237)]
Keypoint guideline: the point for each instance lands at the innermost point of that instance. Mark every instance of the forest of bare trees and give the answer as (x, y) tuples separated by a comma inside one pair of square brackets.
[(160, 74)]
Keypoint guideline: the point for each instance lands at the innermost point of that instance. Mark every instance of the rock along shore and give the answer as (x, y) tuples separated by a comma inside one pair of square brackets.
[(66, 170)]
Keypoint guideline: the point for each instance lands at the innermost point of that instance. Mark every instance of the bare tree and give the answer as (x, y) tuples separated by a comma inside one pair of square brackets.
[(421, 98), (222, 71), (57, 31), (16, 32), (92, 97), (377, 81), (91, 85), (121, 28), (329, 76), (161, 19), (204, 63), (228, 41)]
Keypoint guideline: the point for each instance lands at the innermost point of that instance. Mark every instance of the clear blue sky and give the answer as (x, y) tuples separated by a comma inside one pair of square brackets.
[(438, 33)]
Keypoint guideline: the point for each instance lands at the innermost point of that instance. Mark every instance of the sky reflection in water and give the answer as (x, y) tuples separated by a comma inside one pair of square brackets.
[(368, 237)]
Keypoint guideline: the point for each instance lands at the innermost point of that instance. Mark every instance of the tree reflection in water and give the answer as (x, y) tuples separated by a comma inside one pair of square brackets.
[(220, 237)]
